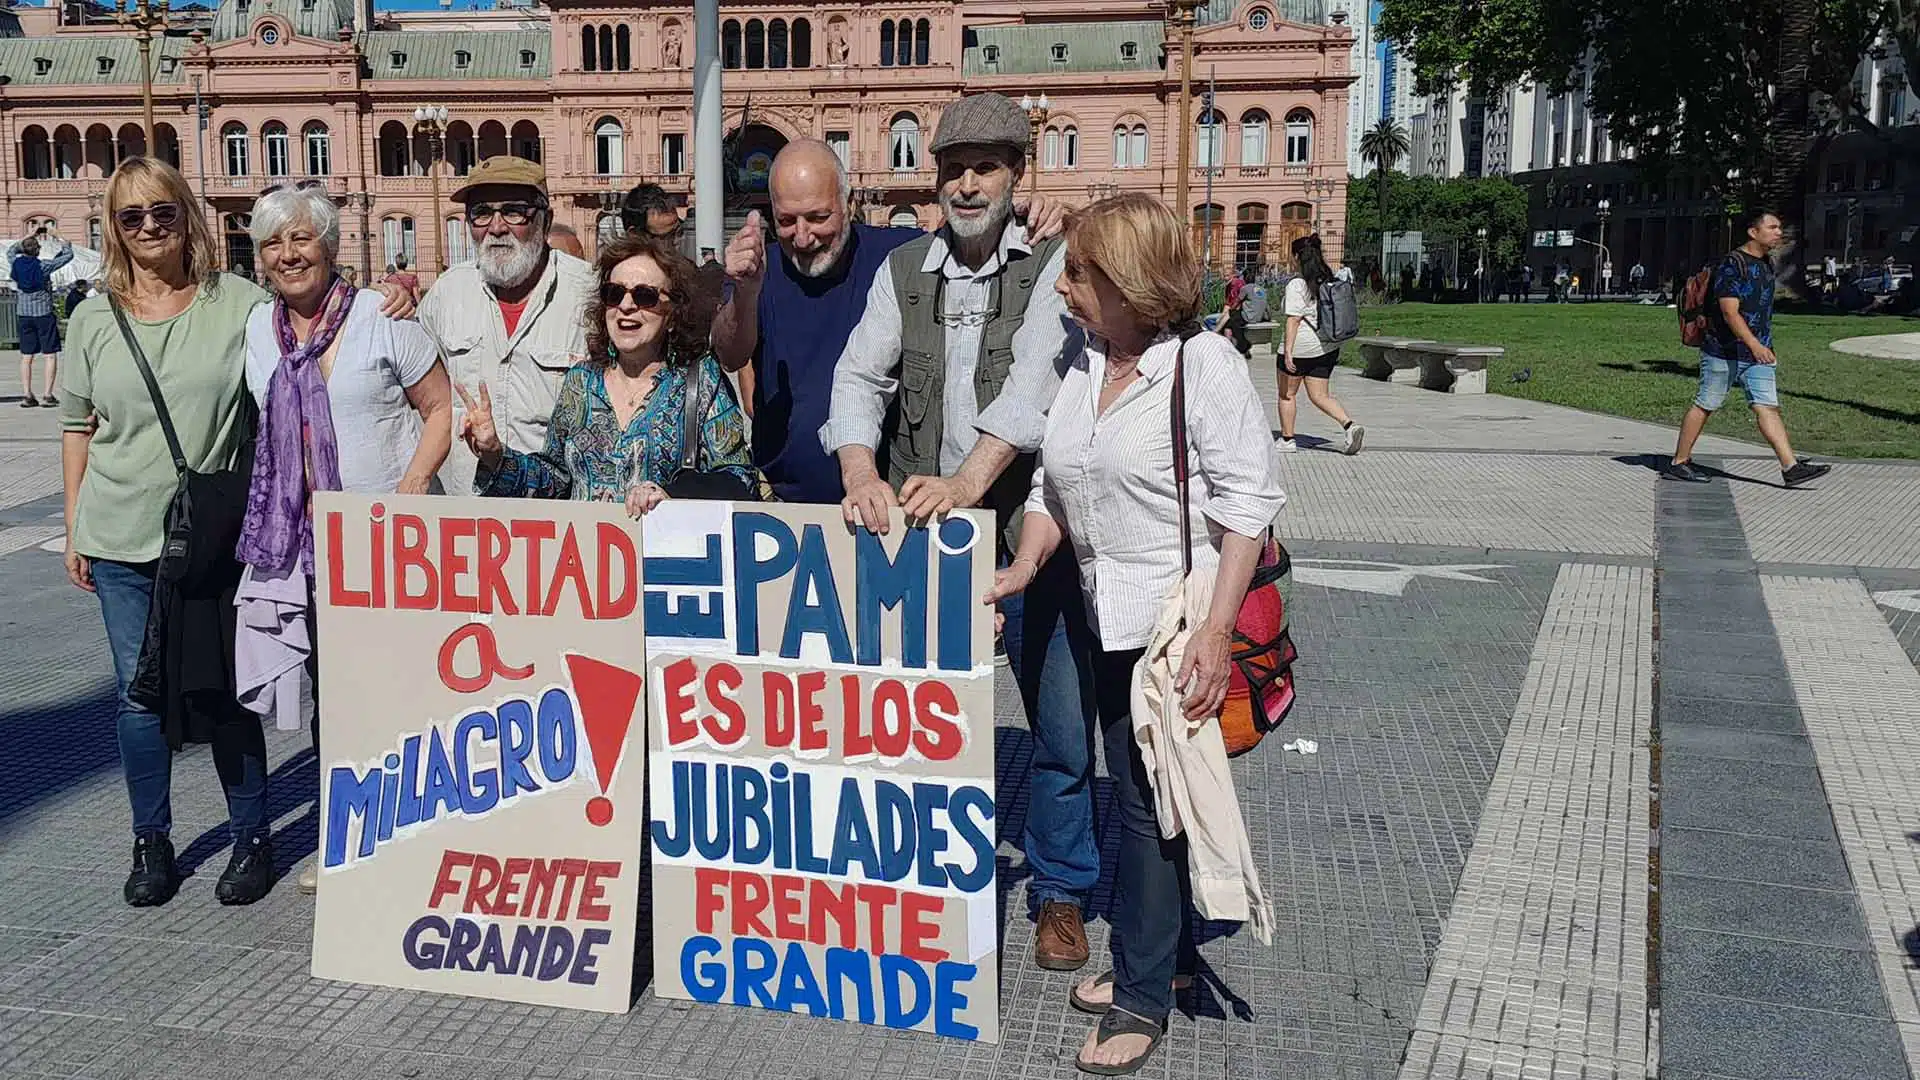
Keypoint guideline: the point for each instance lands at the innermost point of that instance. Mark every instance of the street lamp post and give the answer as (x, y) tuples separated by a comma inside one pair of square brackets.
[(363, 202), (1182, 16), (431, 121), (1604, 273), (143, 17), (1319, 189), (1037, 112), (1096, 192)]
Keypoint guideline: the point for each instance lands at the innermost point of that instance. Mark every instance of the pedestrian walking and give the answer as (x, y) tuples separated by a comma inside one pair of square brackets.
[(39, 326), (1739, 348), (1304, 359), (172, 314), (1108, 486)]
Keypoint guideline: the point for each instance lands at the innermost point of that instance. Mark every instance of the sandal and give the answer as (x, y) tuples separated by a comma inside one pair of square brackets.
[(1181, 983), (1113, 1024)]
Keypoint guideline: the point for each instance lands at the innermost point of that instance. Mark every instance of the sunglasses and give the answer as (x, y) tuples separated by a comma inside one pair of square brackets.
[(294, 185), (515, 213), (165, 215), (645, 297)]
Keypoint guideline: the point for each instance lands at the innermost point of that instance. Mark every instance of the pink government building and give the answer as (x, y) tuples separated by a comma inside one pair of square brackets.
[(256, 90)]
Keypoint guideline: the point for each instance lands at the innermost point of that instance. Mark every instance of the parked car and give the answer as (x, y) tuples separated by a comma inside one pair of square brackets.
[(1884, 279)]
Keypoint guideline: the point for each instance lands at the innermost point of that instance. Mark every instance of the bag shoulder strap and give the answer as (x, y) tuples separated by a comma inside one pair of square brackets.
[(153, 384), (1181, 469), (693, 420)]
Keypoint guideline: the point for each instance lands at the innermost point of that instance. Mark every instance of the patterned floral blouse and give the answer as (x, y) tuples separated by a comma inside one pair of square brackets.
[(588, 456)]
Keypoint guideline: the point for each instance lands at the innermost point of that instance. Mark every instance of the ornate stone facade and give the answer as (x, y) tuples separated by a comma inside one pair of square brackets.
[(602, 95)]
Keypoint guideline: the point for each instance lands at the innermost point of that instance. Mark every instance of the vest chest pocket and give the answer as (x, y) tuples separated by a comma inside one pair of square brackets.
[(920, 385)]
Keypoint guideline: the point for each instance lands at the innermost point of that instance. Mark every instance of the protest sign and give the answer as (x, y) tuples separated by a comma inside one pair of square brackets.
[(481, 746), (820, 713)]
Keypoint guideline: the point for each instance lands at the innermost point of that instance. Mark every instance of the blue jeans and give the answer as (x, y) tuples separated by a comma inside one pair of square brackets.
[(1152, 938), (239, 747), (1050, 647)]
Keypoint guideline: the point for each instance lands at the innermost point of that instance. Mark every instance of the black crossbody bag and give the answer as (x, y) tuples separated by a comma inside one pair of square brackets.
[(202, 525), (688, 481)]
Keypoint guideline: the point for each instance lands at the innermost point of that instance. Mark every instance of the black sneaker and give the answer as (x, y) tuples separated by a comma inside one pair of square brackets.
[(154, 879), (1803, 471), (49, 402), (30, 402), (249, 873), (1685, 470)]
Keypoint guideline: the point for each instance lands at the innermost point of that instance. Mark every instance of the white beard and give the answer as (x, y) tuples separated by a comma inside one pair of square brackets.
[(507, 263), (820, 263), (990, 224)]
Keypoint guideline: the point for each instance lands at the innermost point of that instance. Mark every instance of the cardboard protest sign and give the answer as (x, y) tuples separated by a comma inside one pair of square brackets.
[(820, 714), (482, 774)]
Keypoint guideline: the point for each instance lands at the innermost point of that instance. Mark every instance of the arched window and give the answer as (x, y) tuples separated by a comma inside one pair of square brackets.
[(66, 152), (279, 156), (1299, 137), (1137, 147), (904, 218), (1050, 158), (756, 44), (1209, 226), (1070, 147), (589, 52), (730, 44), (396, 240), (886, 43), (393, 148), (922, 42), (904, 143), (36, 154), (526, 140), (319, 149), (802, 43), (622, 48), (459, 240), (459, 147), (1249, 237), (234, 136), (606, 47), (1210, 147), (167, 141), (607, 229), (1120, 146), (777, 43), (1253, 137), (609, 147), (94, 239)]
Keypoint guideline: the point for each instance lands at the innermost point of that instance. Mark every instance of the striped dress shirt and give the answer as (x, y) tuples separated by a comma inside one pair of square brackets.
[(1107, 480)]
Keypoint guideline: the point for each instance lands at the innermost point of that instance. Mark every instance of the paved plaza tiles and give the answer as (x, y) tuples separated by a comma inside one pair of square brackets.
[(1614, 779)]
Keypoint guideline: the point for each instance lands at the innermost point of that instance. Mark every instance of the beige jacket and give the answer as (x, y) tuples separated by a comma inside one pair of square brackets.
[(1187, 765)]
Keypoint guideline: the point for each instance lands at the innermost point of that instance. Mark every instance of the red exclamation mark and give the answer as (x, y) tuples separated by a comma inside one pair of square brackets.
[(608, 697)]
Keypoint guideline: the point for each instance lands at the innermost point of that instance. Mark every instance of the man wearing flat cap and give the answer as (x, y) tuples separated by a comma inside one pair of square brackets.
[(945, 384), (514, 317)]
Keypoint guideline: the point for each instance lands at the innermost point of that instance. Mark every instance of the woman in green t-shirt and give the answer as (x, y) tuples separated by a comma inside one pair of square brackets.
[(190, 321)]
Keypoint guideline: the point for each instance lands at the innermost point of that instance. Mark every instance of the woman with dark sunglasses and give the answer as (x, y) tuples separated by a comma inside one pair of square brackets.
[(619, 430), (190, 322)]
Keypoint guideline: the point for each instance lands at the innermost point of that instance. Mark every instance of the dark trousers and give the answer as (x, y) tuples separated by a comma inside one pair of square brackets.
[(1152, 937), (239, 748)]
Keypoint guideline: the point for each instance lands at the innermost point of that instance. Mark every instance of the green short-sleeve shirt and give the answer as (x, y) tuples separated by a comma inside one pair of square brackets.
[(199, 358)]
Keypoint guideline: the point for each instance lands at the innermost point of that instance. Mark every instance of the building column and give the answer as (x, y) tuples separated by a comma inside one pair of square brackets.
[(709, 188)]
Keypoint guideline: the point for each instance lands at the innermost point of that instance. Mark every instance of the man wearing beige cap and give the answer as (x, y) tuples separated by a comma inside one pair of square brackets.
[(947, 379), (514, 317)]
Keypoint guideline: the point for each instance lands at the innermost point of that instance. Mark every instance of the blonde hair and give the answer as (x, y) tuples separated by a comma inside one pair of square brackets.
[(143, 181), (1139, 244)]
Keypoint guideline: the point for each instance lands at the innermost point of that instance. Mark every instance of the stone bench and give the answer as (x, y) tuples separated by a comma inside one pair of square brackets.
[(1260, 333), (1432, 365)]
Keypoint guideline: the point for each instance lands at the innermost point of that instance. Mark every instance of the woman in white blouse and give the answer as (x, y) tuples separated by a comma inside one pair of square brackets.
[(1106, 482)]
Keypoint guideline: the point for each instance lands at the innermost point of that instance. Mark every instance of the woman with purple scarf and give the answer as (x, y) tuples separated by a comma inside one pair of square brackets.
[(350, 400)]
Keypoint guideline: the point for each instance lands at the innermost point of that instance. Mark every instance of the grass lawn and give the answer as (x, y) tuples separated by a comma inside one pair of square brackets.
[(1627, 360)]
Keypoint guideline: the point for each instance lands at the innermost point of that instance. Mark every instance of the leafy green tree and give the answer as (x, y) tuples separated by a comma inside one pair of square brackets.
[(1725, 87), (1382, 146)]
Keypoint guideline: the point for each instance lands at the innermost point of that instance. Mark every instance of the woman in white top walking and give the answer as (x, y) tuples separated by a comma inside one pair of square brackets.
[(1106, 480), (1303, 359)]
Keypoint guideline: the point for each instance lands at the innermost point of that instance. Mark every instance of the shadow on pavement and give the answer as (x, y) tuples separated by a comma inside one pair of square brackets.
[(66, 743)]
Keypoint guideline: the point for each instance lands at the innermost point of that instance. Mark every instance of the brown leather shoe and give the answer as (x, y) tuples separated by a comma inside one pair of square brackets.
[(1060, 938)]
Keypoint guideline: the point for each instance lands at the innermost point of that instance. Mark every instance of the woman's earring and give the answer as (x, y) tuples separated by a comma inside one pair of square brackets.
[(612, 353)]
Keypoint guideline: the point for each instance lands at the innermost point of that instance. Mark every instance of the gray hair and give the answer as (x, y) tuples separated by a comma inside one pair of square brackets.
[(284, 207)]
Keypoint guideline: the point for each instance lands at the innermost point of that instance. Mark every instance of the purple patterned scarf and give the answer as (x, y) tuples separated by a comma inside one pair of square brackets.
[(295, 453)]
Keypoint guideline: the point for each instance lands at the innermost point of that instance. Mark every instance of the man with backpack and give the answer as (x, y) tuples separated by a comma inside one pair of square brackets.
[(1727, 311), (1322, 313)]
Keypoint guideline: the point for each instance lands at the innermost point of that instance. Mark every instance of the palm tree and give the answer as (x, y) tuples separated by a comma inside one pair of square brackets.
[(1382, 146)]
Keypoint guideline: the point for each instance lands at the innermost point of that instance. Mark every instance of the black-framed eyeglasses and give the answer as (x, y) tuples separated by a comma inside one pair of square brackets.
[(514, 213), (645, 297), (293, 185), (165, 215)]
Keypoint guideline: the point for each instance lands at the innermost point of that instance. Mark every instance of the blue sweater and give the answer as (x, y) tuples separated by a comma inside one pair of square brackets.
[(804, 324)]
